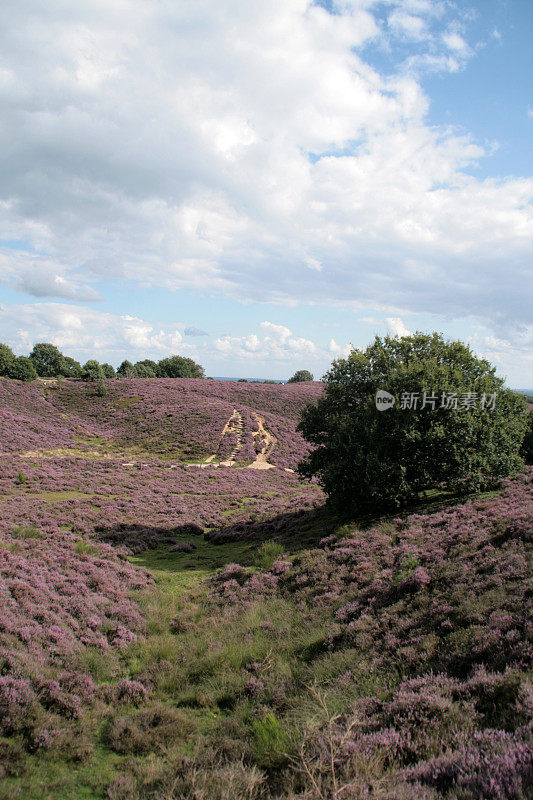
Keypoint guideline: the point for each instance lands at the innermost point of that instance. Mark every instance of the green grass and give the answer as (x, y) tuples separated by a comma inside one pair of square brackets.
[(190, 567), (198, 660)]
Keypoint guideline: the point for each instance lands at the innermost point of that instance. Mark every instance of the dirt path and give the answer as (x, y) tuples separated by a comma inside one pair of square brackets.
[(262, 437), (268, 441), (233, 425)]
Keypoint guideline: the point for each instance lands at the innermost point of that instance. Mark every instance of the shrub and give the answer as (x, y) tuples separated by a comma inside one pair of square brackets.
[(271, 742), (367, 458), (267, 554), (527, 444), (144, 730)]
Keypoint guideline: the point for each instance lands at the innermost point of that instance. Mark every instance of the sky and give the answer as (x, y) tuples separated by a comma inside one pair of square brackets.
[(261, 185)]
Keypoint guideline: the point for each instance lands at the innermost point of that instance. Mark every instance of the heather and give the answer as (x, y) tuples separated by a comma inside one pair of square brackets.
[(169, 631), (183, 419)]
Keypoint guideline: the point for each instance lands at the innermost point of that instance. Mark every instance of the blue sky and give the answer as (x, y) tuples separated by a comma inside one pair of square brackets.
[(261, 186)]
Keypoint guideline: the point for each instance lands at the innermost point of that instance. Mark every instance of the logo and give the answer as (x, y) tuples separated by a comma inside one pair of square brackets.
[(384, 400)]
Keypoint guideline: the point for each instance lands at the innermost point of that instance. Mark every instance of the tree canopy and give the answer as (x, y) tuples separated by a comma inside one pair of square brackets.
[(146, 369), (108, 370), (92, 371), (125, 370), (180, 367), (22, 369), (7, 357), (451, 424), (301, 376), (47, 360)]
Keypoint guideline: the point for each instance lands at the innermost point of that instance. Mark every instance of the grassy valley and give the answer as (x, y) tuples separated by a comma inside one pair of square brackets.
[(178, 627)]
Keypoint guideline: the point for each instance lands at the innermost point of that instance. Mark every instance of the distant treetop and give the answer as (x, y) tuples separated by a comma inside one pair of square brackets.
[(301, 376)]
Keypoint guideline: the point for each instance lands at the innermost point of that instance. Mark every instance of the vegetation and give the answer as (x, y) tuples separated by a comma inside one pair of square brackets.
[(48, 362), (301, 376), (527, 444), (453, 424), (108, 370), (125, 370), (7, 357), (92, 371), (175, 633), (179, 367), (21, 369)]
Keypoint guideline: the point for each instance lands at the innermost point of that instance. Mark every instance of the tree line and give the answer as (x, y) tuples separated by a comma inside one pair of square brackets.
[(47, 361)]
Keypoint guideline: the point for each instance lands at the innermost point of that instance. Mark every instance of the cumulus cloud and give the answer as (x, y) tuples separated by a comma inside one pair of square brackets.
[(396, 327), (87, 332), (338, 350), (249, 150), (278, 344)]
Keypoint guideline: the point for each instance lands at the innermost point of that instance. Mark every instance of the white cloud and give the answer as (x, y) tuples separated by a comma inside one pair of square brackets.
[(397, 327), (412, 27), (338, 350), (455, 41), (248, 149), (87, 333), (278, 344)]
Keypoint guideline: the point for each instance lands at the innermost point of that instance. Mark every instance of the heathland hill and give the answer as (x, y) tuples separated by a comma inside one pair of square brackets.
[(181, 617)]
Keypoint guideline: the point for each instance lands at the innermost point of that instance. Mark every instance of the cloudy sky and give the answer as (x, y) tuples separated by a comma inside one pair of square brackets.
[(259, 184)]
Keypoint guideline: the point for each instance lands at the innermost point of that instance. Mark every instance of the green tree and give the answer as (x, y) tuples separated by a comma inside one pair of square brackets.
[(70, 368), (125, 370), (180, 367), (101, 389), (22, 369), (91, 371), (368, 458), (301, 376), (150, 365), (108, 370), (7, 357), (143, 369), (47, 360)]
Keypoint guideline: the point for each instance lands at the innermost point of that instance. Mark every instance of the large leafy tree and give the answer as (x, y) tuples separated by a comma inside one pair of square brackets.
[(125, 370), (7, 357), (47, 360), (108, 370), (146, 369), (22, 369), (70, 367), (301, 376), (180, 367), (367, 458)]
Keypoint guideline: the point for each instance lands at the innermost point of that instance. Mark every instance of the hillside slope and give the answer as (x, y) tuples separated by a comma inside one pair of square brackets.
[(179, 419), (150, 651)]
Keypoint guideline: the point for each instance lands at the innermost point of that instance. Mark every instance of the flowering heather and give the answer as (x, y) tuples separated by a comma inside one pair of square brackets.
[(440, 603), (142, 504), (54, 600), (184, 418), (393, 663)]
